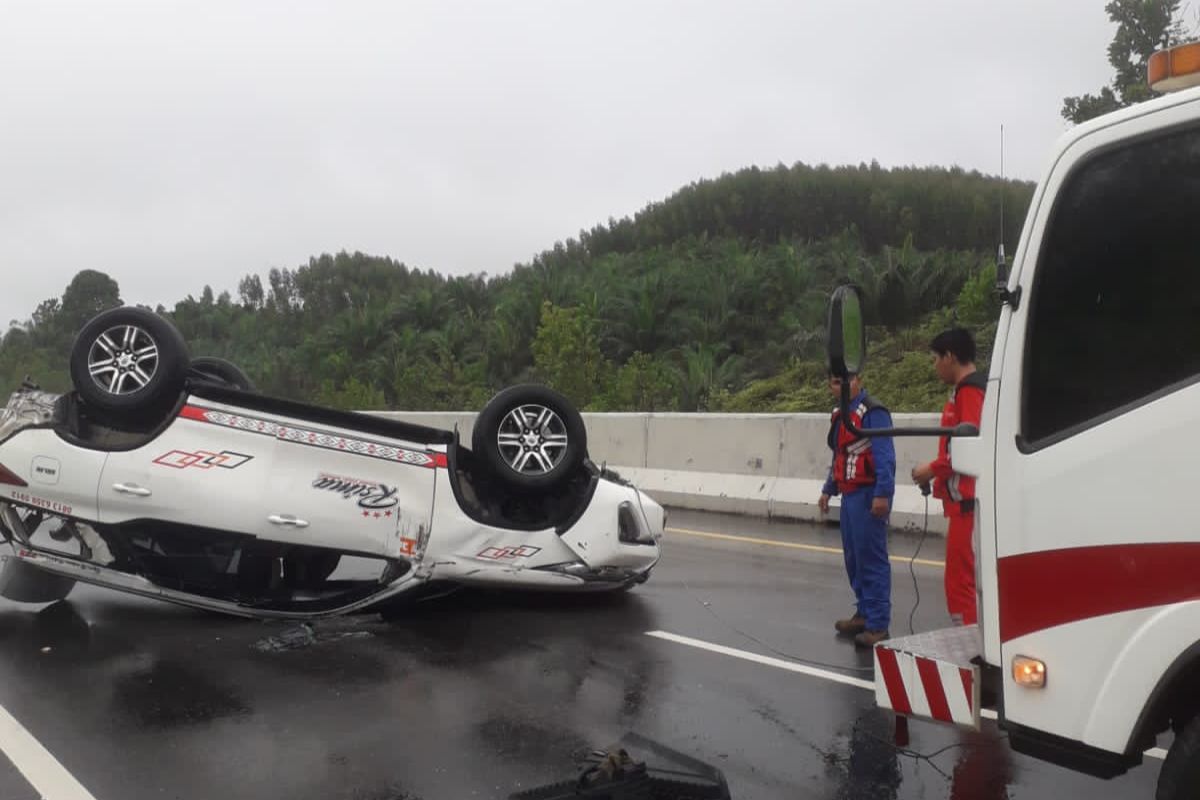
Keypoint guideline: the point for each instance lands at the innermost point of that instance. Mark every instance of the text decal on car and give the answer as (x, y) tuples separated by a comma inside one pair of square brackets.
[(40, 502), (45, 470), (371, 496), (509, 553), (202, 459)]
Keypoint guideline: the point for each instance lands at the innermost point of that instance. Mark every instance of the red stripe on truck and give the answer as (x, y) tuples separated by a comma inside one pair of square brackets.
[(966, 676), (931, 681), (892, 680), (1058, 587)]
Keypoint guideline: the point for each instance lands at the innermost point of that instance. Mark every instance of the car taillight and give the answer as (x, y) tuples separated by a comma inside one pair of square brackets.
[(10, 477), (628, 529)]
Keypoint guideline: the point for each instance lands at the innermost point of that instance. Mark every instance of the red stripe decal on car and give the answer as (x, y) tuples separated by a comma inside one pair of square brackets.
[(192, 412)]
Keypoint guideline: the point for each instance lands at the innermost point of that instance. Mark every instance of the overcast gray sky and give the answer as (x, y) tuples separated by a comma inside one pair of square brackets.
[(174, 144)]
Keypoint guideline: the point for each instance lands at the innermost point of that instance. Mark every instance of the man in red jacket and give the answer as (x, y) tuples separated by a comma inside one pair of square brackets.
[(954, 361)]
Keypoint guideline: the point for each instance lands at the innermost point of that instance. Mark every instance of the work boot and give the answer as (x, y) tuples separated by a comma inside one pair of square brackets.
[(871, 638), (849, 627)]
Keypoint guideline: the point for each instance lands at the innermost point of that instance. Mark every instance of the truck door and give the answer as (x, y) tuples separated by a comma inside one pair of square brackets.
[(1095, 473)]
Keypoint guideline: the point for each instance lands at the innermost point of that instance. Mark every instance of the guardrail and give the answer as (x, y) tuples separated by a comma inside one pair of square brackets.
[(767, 465)]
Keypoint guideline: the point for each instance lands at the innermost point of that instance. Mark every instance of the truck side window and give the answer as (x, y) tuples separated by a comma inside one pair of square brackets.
[(1115, 307)]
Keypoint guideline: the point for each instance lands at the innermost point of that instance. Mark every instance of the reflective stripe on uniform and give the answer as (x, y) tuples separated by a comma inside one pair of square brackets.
[(953, 489), (854, 456)]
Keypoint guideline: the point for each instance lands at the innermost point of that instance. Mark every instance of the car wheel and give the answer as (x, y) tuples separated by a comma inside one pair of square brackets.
[(222, 371), (128, 361), (531, 437), (1180, 774)]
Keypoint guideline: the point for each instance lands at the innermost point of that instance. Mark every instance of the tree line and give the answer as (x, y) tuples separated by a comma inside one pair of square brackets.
[(711, 299)]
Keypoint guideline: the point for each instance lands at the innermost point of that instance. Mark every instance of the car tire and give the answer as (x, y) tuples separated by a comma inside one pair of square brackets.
[(128, 361), (225, 372), (1180, 774), (530, 437)]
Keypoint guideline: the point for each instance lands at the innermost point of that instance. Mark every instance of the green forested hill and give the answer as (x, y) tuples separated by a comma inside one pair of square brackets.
[(712, 299)]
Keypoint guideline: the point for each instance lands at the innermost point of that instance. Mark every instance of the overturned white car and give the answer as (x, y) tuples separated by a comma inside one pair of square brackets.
[(171, 478)]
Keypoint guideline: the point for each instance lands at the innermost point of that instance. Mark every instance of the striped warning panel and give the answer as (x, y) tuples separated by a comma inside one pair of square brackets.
[(924, 685)]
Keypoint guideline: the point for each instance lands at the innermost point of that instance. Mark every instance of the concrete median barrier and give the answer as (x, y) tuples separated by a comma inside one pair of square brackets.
[(767, 465)]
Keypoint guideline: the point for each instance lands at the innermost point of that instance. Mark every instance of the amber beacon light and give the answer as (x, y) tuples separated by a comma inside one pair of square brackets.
[(1174, 68)]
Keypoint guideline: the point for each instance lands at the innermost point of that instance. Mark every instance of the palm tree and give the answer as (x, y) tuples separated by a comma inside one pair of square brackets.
[(706, 367), (635, 319), (423, 307)]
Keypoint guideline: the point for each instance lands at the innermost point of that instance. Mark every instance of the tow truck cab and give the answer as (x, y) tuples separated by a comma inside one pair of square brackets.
[(1087, 535)]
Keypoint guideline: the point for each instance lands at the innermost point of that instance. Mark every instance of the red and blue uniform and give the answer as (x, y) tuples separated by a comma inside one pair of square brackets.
[(862, 470), (957, 493)]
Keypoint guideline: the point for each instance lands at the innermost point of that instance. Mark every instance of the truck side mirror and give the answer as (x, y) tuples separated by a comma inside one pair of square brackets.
[(846, 333), (846, 346)]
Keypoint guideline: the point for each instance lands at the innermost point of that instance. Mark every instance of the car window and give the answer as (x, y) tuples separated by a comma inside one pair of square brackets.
[(1116, 294)]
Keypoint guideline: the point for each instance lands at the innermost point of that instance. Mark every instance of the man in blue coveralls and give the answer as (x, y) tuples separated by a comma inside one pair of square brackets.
[(864, 474)]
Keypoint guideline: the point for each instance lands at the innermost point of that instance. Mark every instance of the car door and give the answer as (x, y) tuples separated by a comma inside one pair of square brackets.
[(52, 475), (197, 472), (337, 488)]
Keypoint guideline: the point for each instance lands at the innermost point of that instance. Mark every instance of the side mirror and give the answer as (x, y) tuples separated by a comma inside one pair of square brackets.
[(846, 339), (846, 345)]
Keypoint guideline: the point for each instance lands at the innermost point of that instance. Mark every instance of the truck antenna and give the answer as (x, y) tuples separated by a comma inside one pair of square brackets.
[(1012, 298), (1003, 188)]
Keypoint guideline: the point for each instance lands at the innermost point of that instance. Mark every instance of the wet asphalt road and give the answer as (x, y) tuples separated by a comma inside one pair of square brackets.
[(480, 695)]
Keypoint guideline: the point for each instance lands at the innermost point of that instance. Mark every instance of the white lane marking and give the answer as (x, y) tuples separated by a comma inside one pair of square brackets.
[(771, 662), (40, 768), (790, 666)]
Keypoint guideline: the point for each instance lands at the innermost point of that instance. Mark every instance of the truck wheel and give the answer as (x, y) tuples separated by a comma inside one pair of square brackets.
[(128, 361), (222, 371), (531, 437), (1180, 773)]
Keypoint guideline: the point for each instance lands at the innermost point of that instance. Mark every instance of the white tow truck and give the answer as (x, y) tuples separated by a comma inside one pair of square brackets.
[(1087, 534)]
